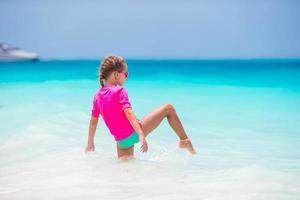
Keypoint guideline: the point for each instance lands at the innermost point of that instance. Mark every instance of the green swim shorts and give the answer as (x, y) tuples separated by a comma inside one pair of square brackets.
[(129, 141)]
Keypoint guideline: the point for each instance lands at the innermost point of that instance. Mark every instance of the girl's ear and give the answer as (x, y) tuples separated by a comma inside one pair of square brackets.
[(116, 75)]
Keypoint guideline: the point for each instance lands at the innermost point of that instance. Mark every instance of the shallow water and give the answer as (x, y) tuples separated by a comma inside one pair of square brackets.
[(242, 116)]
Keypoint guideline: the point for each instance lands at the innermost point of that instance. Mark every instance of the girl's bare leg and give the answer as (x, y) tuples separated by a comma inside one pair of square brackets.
[(125, 154), (153, 119)]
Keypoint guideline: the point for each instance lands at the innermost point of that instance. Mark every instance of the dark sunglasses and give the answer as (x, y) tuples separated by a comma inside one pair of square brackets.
[(125, 73)]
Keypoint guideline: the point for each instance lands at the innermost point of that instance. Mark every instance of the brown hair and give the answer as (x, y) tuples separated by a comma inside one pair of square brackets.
[(110, 64)]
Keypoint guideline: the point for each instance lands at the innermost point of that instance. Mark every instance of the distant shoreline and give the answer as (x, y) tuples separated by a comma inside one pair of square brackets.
[(176, 59)]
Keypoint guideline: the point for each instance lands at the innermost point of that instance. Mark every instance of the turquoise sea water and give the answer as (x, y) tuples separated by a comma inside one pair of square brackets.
[(243, 117)]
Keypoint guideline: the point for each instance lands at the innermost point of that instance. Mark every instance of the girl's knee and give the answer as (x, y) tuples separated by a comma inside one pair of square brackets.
[(169, 107)]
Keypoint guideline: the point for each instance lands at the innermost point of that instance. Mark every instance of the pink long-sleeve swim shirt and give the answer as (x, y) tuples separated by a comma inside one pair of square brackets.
[(109, 102)]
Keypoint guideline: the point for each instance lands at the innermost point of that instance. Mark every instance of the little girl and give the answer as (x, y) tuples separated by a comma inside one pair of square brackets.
[(112, 102)]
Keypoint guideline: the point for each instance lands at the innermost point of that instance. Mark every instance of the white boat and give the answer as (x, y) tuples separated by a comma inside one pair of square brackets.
[(9, 53)]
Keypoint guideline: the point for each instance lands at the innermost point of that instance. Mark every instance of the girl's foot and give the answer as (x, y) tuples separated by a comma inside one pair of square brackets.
[(187, 144)]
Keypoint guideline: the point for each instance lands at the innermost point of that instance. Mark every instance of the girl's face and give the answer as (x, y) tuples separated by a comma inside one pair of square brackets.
[(121, 77)]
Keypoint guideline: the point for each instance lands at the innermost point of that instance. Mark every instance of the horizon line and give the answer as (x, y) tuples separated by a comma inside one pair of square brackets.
[(179, 58)]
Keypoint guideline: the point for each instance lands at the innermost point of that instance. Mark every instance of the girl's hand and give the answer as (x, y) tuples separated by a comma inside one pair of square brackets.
[(144, 145), (90, 147)]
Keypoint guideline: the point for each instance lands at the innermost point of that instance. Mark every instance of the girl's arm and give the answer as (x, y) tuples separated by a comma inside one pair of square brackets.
[(136, 126), (92, 130), (133, 121)]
